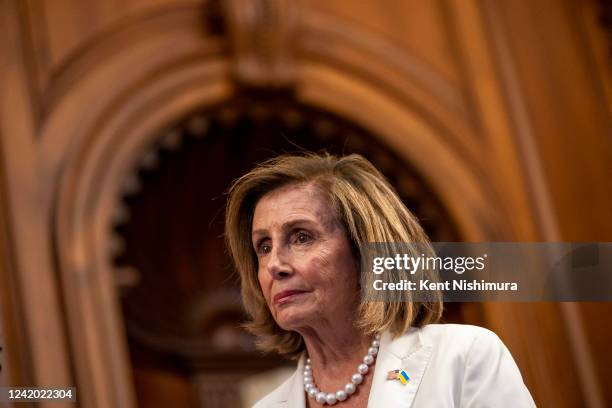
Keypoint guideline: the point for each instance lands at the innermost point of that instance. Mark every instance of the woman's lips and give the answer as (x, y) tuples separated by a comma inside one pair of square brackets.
[(286, 296)]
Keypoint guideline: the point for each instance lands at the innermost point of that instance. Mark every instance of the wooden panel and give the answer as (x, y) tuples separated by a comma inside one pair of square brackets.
[(415, 25), (499, 150), (160, 389), (35, 329), (71, 24), (598, 332), (568, 113), (597, 36), (556, 95)]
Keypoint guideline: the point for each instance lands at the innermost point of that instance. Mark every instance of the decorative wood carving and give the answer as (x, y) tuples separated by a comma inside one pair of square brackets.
[(264, 41)]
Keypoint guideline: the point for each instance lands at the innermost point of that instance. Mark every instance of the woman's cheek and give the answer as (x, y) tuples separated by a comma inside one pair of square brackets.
[(264, 284), (326, 255), (321, 265)]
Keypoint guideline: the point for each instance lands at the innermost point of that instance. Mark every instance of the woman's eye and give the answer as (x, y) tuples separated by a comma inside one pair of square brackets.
[(264, 248), (302, 237)]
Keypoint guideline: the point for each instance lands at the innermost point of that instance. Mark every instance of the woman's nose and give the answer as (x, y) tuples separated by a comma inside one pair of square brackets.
[(279, 266)]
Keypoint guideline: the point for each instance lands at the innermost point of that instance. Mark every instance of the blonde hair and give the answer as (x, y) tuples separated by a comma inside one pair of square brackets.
[(368, 208)]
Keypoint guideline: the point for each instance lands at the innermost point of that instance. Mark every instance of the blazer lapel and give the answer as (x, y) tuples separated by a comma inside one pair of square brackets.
[(292, 396), (406, 353)]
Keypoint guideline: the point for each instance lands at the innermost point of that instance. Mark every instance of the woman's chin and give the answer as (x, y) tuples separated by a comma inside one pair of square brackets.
[(293, 319)]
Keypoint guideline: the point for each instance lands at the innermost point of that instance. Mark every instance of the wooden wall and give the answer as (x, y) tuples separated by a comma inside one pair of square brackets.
[(502, 106)]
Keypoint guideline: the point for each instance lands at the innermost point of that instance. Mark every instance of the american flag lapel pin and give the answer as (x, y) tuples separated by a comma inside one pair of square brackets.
[(400, 375)]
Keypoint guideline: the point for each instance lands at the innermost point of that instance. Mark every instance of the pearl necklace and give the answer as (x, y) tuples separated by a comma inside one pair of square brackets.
[(350, 388)]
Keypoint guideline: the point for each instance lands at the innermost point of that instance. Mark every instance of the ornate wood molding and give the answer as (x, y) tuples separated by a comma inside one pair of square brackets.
[(87, 192), (263, 34)]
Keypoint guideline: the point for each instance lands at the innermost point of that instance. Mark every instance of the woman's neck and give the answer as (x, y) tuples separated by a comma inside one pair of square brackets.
[(335, 353), (334, 348)]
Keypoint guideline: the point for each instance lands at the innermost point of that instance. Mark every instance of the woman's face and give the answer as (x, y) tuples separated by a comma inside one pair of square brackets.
[(305, 266)]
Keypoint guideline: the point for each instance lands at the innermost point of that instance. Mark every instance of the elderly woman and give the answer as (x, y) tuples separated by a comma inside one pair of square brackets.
[(295, 226)]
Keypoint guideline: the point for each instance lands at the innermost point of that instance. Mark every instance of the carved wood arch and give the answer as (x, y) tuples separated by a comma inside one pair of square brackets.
[(89, 158)]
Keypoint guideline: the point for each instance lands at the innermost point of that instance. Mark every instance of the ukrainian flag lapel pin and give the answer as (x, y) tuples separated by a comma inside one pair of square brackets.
[(398, 375)]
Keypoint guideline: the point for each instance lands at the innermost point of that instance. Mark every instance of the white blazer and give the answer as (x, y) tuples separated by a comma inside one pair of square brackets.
[(449, 365)]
